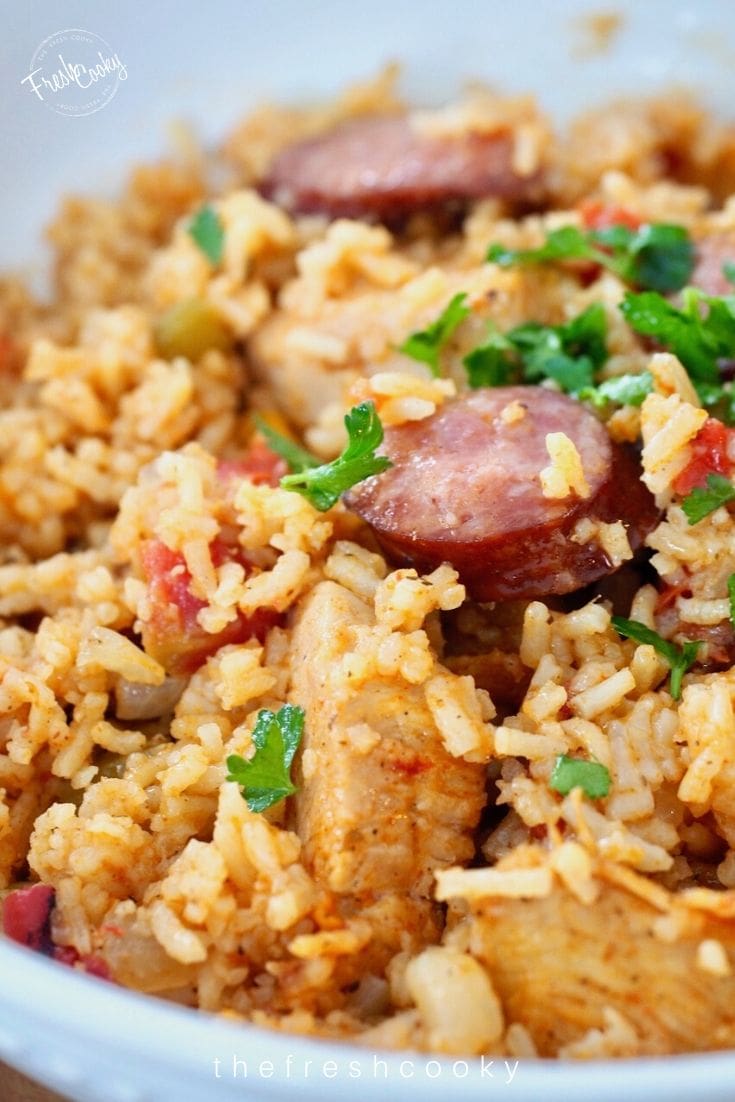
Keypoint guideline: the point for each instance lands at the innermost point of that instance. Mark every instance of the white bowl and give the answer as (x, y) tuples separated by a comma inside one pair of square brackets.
[(209, 63)]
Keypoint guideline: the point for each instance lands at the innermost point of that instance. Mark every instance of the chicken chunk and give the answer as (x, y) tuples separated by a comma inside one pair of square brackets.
[(381, 802), (558, 963)]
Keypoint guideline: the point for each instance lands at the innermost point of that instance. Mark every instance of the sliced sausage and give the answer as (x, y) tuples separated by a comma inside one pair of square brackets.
[(717, 650), (383, 168), (712, 252), (465, 488)]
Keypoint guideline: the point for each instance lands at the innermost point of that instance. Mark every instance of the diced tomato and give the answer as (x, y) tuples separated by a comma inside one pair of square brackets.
[(27, 916), (173, 636), (65, 954), (27, 920), (669, 595), (96, 966), (597, 215), (709, 456), (259, 463), (92, 964)]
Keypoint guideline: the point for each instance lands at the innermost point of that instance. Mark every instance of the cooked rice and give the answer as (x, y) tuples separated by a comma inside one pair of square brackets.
[(113, 784)]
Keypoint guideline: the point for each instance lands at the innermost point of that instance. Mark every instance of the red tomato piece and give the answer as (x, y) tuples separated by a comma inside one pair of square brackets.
[(172, 635), (65, 954), (27, 914), (709, 456), (669, 594), (91, 963), (597, 215), (260, 464), (96, 966)]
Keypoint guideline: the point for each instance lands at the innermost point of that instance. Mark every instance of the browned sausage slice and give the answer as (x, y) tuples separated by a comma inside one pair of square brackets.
[(382, 168), (712, 252), (465, 488)]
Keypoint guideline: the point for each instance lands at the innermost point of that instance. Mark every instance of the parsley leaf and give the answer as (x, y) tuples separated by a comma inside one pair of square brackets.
[(426, 344), (566, 243), (585, 334), (731, 596), (718, 399), (680, 659), (698, 337), (705, 499), (543, 361), (728, 270), (264, 779), (298, 459), (492, 362), (657, 256), (591, 776), (624, 390), (568, 353), (324, 485), (207, 231)]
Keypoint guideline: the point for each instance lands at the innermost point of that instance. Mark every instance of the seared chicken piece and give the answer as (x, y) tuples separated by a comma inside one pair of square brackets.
[(302, 385), (381, 802), (557, 963)]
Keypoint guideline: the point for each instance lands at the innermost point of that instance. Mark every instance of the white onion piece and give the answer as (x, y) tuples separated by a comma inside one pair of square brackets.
[(138, 702)]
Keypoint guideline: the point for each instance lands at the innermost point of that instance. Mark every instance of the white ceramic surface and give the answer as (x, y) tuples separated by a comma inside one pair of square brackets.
[(208, 63)]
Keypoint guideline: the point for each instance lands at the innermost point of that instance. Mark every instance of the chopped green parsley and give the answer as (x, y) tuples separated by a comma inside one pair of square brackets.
[(703, 500), (324, 485), (680, 659), (569, 353), (657, 256), (298, 458), (591, 776), (265, 777), (426, 344)]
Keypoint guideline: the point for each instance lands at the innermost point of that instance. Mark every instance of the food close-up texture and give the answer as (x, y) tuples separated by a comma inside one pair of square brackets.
[(367, 578)]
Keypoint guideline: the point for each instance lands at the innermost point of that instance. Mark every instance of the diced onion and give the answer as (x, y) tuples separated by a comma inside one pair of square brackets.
[(135, 701)]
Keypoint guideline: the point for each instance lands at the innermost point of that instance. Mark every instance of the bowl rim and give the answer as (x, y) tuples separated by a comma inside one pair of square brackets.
[(88, 1009)]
